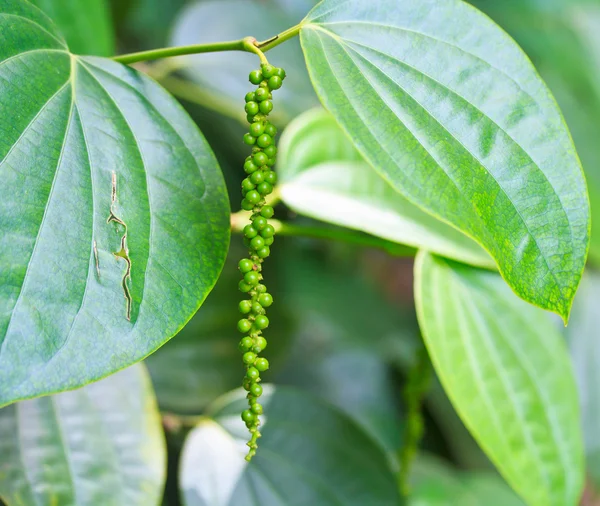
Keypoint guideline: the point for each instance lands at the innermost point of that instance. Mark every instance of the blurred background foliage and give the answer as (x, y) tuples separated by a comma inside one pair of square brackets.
[(344, 332)]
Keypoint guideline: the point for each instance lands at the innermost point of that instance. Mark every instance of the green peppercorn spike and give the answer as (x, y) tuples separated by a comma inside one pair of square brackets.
[(258, 235)]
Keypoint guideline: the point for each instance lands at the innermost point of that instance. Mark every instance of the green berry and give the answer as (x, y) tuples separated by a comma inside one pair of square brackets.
[(261, 364), (250, 167), (261, 94), (260, 158), (267, 212), (261, 322), (245, 265), (267, 231), (263, 252), (250, 231), (267, 70), (264, 84), (244, 325), (247, 185), (250, 118), (275, 82), (259, 344), (265, 299), (270, 177), (256, 308), (266, 106), (257, 177), (248, 139), (244, 287), (248, 416), (270, 162), (251, 278), (269, 241), (257, 129), (263, 141), (255, 77), (252, 108), (270, 129), (245, 306), (256, 390), (253, 197), (245, 344), (247, 206), (259, 223), (279, 72), (264, 188), (257, 409), (249, 358), (261, 288), (257, 243), (247, 384), (250, 97), (271, 150), (252, 373)]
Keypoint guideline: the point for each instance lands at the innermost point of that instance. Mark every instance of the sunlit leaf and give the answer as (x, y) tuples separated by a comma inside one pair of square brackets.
[(506, 369), (449, 110)]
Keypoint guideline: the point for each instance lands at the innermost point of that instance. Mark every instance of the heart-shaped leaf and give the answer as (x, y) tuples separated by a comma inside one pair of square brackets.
[(309, 454), (113, 212), (102, 444), (324, 177), (86, 26), (506, 369), (451, 112)]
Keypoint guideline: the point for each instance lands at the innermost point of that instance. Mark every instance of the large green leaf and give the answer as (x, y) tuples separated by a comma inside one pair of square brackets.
[(450, 111), (309, 454), (561, 38), (324, 177), (87, 26), (506, 369), (78, 133), (582, 335), (223, 77), (100, 445)]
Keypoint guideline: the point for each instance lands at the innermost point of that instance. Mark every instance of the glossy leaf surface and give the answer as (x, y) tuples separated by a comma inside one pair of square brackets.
[(449, 110), (93, 139), (324, 177), (309, 454), (102, 444), (506, 369)]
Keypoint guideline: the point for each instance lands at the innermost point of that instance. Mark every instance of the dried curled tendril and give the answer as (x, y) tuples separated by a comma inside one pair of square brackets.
[(258, 237)]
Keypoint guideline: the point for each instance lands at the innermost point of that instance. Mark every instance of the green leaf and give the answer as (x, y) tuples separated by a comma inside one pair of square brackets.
[(560, 36), (86, 26), (224, 77), (450, 111), (102, 444), (87, 130), (309, 454), (582, 336), (506, 369), (324, 177)]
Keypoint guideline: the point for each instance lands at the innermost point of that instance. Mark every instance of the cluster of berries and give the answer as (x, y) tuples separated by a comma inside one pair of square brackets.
[(258, 237)]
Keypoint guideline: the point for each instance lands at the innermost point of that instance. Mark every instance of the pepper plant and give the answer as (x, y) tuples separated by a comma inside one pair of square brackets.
[(436, 138)]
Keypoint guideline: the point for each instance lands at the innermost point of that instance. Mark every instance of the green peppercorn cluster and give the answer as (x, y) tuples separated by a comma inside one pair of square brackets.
[(258, 237)]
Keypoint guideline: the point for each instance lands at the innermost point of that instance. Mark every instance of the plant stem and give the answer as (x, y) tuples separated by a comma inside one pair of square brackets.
[(265, 45), (239, 220), (248, 44)]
